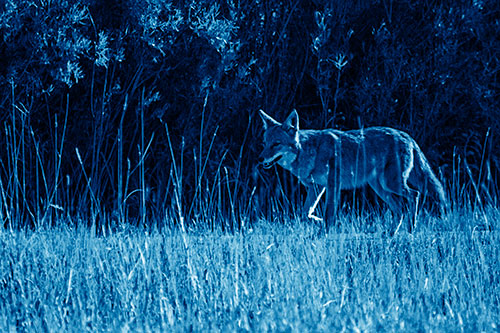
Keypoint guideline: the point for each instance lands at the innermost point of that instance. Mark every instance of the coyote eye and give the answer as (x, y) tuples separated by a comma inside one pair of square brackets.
[(274, 145)]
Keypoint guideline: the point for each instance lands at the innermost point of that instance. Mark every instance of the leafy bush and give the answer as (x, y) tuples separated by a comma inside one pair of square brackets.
[(89, 89)]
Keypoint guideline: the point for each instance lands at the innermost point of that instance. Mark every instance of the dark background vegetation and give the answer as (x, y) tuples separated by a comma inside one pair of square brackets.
[(98, 98)]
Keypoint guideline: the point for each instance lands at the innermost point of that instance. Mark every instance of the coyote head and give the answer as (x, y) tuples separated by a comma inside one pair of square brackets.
[(281, 141)]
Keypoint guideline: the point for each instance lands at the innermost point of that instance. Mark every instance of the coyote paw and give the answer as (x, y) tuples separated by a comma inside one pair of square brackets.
[(314, 217)]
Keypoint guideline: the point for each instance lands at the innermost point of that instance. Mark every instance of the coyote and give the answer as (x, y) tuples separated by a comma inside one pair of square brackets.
[(388, 160)]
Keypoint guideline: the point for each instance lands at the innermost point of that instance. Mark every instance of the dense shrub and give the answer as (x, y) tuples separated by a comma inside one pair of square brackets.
[(89, 89)]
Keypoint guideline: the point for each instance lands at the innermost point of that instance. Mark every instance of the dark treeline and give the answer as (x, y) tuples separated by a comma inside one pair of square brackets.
[(97, 98)]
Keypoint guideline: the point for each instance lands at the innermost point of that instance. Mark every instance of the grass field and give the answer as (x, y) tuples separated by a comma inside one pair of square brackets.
[(274, 276), (145, 113)]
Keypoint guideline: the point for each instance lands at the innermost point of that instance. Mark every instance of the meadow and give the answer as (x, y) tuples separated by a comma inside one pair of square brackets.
[(274, 276), (131, 198)]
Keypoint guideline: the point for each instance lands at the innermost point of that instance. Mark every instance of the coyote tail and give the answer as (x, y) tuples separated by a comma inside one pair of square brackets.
[(431, 184)]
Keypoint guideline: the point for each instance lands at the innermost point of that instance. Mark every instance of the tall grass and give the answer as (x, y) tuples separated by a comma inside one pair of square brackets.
[(272, 277), (198, 267), (209, 264)]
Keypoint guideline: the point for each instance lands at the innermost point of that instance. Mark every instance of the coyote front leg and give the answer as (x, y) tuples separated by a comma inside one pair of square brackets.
[(312, 202), (333, 192)]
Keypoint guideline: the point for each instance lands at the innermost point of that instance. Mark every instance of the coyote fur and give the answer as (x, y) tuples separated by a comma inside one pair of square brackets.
[(386, 159)]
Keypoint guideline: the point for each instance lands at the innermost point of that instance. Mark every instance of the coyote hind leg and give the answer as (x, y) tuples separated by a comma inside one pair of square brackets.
[(400, 198)]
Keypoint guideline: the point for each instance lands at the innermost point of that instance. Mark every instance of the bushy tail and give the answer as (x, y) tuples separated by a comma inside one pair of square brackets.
[(428, 184)]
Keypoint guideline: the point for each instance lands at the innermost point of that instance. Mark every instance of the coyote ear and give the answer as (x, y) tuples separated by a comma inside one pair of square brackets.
[(267, 119), (293, 120)]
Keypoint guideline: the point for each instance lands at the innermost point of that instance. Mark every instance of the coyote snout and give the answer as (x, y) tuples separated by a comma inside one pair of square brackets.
[(269, 161), (386, 159), (274, 154)]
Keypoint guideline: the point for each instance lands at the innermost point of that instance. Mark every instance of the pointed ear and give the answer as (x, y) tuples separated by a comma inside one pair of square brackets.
[(267, 119), (292, 121)]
